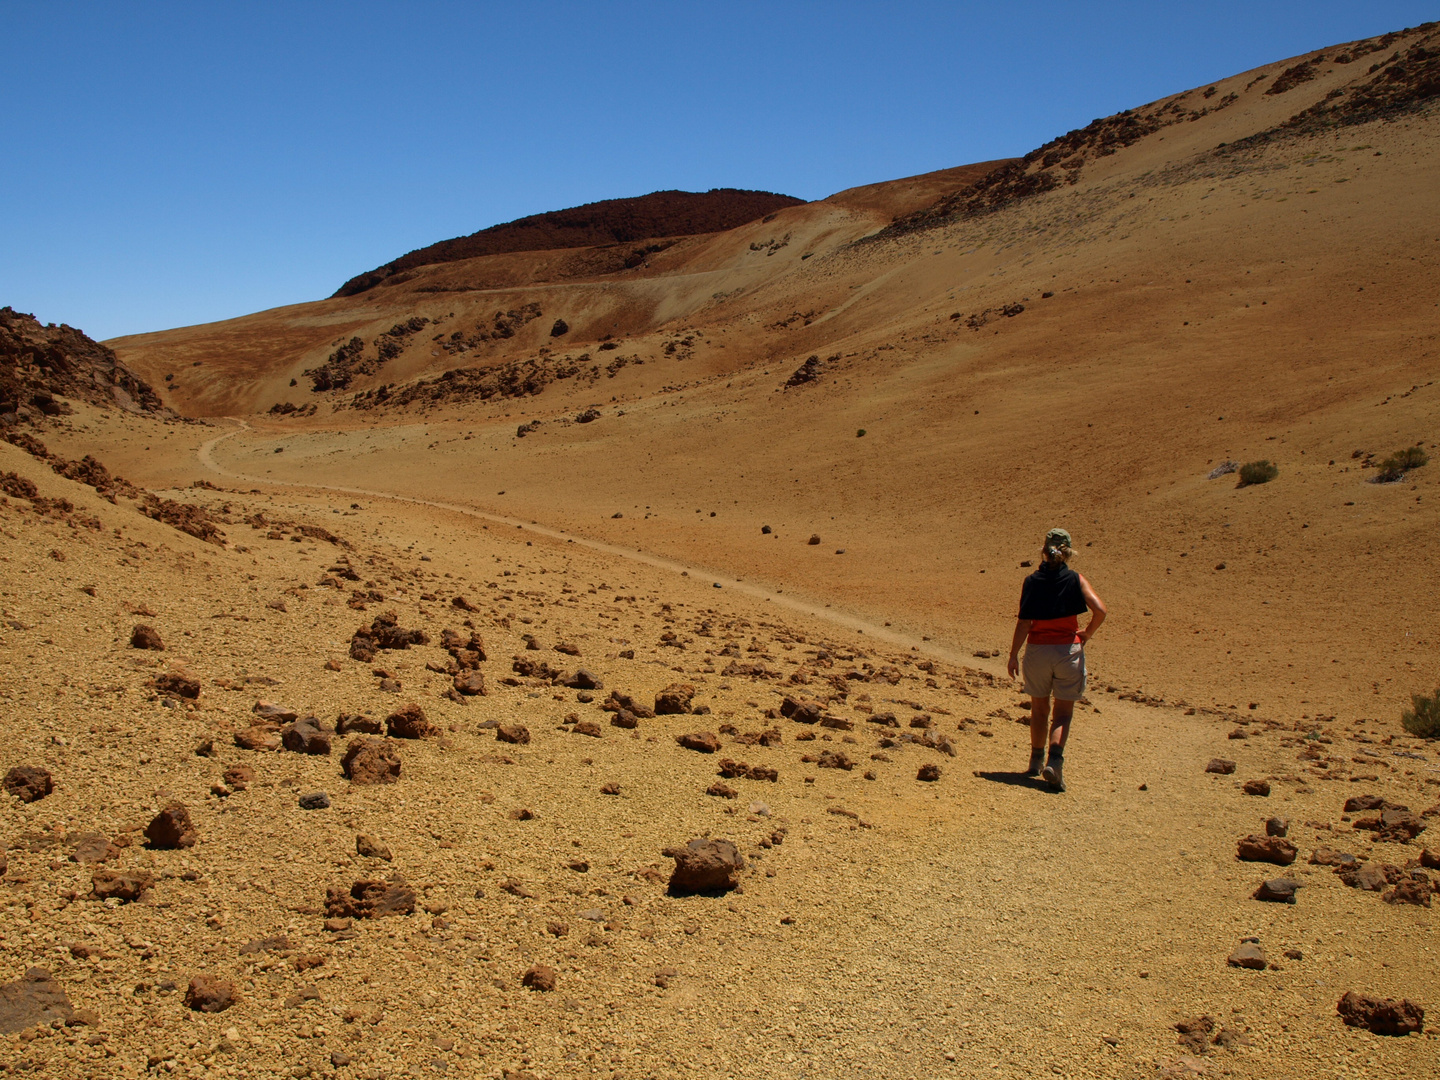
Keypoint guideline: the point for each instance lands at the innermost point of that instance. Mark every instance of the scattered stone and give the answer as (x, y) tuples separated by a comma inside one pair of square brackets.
[(260, 737), (587, 727), (273, 711), (518, 734), (674, 699), (612, 788), (370, 848), (471, 683), (29, 783), (625, 719), (210, 995), (928, 772), (278, 943), (307, 736), (370, 761), (370, 899), (1277, 891), (1411, 891), (239, 776), (360, 724), (1247, 955), (1357, 803), (704, 867), (146, 637), (724, 791), (1324, 856), (618, 702), (171, 828), (34, 999), (704, 741), (1383, 1016), (1256, 787), (205, 748), (409, 723), (178, 685), (1368, 877), (539, 977), (803, 711), (583, 679), (1220, 766), (834, 759), (1270, 849), (1276, 826), (1395, 825), (315, 800), (522, 814), (127, 886), (1195, 1033), (91, 848)]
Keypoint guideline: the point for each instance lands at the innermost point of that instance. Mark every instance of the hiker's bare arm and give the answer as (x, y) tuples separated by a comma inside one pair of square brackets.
[(1022, 627), (1096, 606)]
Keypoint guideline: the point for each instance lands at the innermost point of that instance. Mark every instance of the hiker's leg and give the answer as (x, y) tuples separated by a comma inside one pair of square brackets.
[(1060, 727), (1039, 721)]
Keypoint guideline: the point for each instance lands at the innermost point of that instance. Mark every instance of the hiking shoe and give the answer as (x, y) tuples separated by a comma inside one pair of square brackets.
[(1052, 774), (1037, 759)]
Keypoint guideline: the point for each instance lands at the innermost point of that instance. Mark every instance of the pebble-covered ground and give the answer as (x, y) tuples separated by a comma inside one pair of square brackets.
[(974, 925)]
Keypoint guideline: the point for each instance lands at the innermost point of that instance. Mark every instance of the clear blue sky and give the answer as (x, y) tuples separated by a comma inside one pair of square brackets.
[(174, 163)]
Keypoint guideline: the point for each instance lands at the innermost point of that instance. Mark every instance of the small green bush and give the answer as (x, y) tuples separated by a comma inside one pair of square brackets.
[(1424, 718), (1258, 472), (1399, 463)]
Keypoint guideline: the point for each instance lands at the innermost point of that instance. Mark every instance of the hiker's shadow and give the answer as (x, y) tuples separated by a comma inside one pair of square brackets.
[(1015, 779)]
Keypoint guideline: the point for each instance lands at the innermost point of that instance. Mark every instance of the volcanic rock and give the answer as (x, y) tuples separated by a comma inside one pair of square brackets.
[(34, 999), (1247, 955), (178, 685), (703, 741), (360, 724), (928, 771), (704, 867), (29, 783), (1383, 1016), (1277, 827), (127, 886), (674, 699), (1324, 856), (1368, 877), (517, 734), (1411, 891), (146, 637), (307, 736), (539, 977), (1256, 787), (258, 737), (370, 899), (90, 848), (274, 712), (238, 776), (171, 828), (315, 800), (1277, 891), (801, 711), (370, 761), (210, 995), (625, 719), (620, 702), (1221, 766), (370, 848), (1271, 849), (470, 682), (409, 723), (835, 759)]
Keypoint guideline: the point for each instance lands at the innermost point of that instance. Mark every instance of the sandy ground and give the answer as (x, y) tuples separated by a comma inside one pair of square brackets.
[(977, 924)]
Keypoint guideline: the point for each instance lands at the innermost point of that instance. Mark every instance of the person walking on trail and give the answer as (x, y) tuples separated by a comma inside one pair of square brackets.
[(1051, 601)]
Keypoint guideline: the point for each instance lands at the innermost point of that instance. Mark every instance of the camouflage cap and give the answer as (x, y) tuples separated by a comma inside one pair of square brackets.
[(1057, 538)]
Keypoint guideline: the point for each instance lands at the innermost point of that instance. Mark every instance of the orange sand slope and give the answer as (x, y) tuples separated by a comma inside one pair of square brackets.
[(1221, 288)]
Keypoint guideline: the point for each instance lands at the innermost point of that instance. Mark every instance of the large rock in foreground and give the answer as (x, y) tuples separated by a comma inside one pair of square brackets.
[(370, 761), (34, 999), (702, 866), (1384, 1016)]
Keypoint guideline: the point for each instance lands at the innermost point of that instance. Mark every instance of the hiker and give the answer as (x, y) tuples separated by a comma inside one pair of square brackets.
[(1051, 600)]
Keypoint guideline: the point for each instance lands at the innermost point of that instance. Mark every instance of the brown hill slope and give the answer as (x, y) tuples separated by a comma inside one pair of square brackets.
[(1086, 354), (658, 215)]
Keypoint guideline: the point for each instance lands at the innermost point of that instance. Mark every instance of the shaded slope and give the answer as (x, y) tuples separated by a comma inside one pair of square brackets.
[(610, 221)]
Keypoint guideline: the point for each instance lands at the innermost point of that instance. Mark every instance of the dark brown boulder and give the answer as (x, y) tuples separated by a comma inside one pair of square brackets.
[(1383, 1016), (470, 682), (1357, 803), (273, 712), (928, 771), (370, 761), (1221, 766), (1325, 856), (126, 886), (1256, 787), (307, 736), (1411, 891), (517, 734), (703, 741), (371, 848), (146, 637), (1277, 891), (370, 899), (1276, 826), (704, 867), (1369, 877), (358, 724), (674, 700), (1395, 826), (625, 719), (210, 995), (238, 776), (618, 702), (1271, 849), (29, 783), (539, 977), (584, 679), (724, 791), (1195, 1033), (409, 723), (171, 828), (801, 711), (1247, 955), (178, 685), (33, 1000), (835, 759), (92, 848), (587, 727)]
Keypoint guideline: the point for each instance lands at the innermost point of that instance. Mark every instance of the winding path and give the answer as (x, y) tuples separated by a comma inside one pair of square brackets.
[(205, 453)]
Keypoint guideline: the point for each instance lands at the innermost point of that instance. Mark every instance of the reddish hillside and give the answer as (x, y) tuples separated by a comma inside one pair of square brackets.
[(610, 221)]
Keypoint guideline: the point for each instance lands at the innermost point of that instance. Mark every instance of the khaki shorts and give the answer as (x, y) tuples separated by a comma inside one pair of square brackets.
[(1054, 670)]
